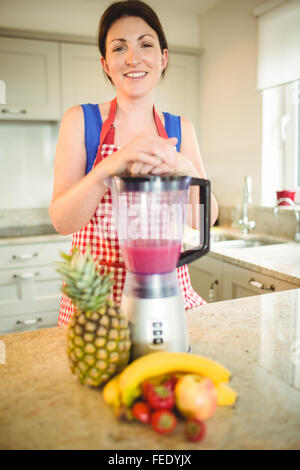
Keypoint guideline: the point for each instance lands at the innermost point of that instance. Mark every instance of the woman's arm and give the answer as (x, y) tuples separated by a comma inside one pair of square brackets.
[(190, 163), (75, 196)]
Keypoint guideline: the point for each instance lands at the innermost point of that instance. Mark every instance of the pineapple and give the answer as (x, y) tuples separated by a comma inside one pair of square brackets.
[(98, 336)]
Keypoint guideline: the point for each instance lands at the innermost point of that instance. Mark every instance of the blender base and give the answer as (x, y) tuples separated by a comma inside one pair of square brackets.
[(156, 324)]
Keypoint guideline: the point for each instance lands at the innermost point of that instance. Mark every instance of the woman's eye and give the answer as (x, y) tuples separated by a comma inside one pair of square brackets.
[(118, 49)]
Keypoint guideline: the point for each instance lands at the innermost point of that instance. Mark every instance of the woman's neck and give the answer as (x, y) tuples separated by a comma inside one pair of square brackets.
[(139, 110)]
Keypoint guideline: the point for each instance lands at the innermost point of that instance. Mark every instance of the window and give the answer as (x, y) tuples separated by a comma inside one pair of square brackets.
[(281, 141)]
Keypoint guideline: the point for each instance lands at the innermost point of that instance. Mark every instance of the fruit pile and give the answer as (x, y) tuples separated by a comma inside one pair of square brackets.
[(161, 388), (158, 388), (188, 396)]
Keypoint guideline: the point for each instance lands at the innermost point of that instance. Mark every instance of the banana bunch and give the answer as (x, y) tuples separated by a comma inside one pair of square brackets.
[(124, 388)]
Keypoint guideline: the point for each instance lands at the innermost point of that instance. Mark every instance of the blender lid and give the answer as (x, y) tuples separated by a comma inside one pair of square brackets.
[(166, 182)]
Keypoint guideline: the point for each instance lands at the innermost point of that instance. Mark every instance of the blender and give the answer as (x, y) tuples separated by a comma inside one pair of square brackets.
[(150, 213)]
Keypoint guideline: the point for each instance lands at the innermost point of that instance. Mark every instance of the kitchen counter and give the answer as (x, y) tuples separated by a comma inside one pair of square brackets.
[(33, 239), (281, 261), (43, 406)]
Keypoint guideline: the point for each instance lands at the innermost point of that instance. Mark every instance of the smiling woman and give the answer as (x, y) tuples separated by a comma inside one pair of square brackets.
[(125, 135), (133, 57)]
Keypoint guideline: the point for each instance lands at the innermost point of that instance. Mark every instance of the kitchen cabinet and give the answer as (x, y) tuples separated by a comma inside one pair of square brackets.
[(30, 70), (177, 92), (30, 288), (206, 278), (215, 280), (45, 78), (82, 78), (240, 282)]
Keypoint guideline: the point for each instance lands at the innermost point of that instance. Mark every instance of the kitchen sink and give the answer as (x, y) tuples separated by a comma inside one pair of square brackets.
[(228, 240), (231, 242), (215, 238)]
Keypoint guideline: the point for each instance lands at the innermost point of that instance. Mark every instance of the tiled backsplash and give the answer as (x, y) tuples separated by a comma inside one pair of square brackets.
[(27, 152), (25, 222), (281, 225)]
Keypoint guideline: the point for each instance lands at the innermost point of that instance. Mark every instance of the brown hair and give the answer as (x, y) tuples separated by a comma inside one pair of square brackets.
[(129, 8)]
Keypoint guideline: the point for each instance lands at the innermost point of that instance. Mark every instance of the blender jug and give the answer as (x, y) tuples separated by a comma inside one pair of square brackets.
[(150, 213)]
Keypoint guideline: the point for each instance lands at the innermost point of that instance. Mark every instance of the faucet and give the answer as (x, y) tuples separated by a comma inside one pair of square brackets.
[(245, 223), (293, 205)]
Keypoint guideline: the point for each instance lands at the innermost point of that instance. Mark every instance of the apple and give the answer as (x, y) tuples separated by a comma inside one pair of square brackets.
[(196, 397)]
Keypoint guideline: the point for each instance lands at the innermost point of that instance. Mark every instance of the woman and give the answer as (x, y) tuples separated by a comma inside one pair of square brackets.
[(134, 56)]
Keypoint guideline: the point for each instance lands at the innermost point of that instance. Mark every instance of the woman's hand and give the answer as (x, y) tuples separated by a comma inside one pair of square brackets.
[(141, 154), (183, 166)]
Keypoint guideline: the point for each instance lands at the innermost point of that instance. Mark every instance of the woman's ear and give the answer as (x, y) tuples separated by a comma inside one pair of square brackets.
[(164, 59), (104, 65)]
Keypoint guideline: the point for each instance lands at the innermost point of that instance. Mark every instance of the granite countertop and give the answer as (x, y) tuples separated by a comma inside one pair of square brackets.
[(43, 406), (281, 260)]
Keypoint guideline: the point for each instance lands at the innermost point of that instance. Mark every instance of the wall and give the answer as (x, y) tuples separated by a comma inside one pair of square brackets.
[(230, 107), (26, 162), (82, 16), (26, 159)]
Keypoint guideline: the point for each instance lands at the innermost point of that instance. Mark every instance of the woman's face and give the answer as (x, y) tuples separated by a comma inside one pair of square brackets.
[(134, 60)]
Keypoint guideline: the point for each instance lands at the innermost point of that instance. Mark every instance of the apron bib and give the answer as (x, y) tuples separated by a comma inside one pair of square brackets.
[(100, 233)]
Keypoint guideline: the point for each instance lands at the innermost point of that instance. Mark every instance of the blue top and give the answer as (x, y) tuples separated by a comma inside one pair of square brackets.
[(93, 124)]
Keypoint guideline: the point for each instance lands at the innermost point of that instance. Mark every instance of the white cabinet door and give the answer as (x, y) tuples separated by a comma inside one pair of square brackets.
[(82, 76), (206, 278), (30, 287), (241, 282), (177, 93), (30, 70)]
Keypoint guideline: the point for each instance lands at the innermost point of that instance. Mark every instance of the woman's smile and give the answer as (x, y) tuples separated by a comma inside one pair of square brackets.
[(136, 75)]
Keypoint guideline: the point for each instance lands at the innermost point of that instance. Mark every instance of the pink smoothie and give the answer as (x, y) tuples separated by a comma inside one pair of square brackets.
[(151, 256)]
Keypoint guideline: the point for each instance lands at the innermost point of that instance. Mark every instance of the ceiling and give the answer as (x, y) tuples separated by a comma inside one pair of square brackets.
[(188, 6)]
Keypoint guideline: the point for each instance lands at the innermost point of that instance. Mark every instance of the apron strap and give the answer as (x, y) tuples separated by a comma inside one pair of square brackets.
[(108, 124), (161, 130)]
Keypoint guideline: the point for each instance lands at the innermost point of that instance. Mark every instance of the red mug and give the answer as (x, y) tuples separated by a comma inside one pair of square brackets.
[(285, 193)]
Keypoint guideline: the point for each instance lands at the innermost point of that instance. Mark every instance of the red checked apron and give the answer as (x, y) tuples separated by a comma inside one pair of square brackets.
[(100, 232)]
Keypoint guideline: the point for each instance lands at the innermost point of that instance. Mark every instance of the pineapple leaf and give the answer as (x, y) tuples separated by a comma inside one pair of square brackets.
[(65, 256)]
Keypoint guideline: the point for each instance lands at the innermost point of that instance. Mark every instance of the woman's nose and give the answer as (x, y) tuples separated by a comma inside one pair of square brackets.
[(132, 56)]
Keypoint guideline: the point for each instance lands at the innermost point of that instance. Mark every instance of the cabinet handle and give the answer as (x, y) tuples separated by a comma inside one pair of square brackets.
[(13, 111), (212, 291), (259, 285), (30, 321), (25, 275), (25, 256)]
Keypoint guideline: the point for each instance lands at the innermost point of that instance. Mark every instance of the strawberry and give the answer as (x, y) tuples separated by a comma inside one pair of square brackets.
[(145, 386), (171, 382), (160, 397), (194, 430), (163, 421), (141, 411)]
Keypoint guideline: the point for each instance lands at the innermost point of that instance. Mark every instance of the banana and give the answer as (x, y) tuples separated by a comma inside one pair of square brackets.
[(160, 363), (111, 392), (226, 395)]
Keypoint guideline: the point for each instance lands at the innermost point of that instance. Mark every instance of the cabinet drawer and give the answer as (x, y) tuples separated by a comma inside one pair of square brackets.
[(31, 254), (31, 321), (240, 282), (29, 290)]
